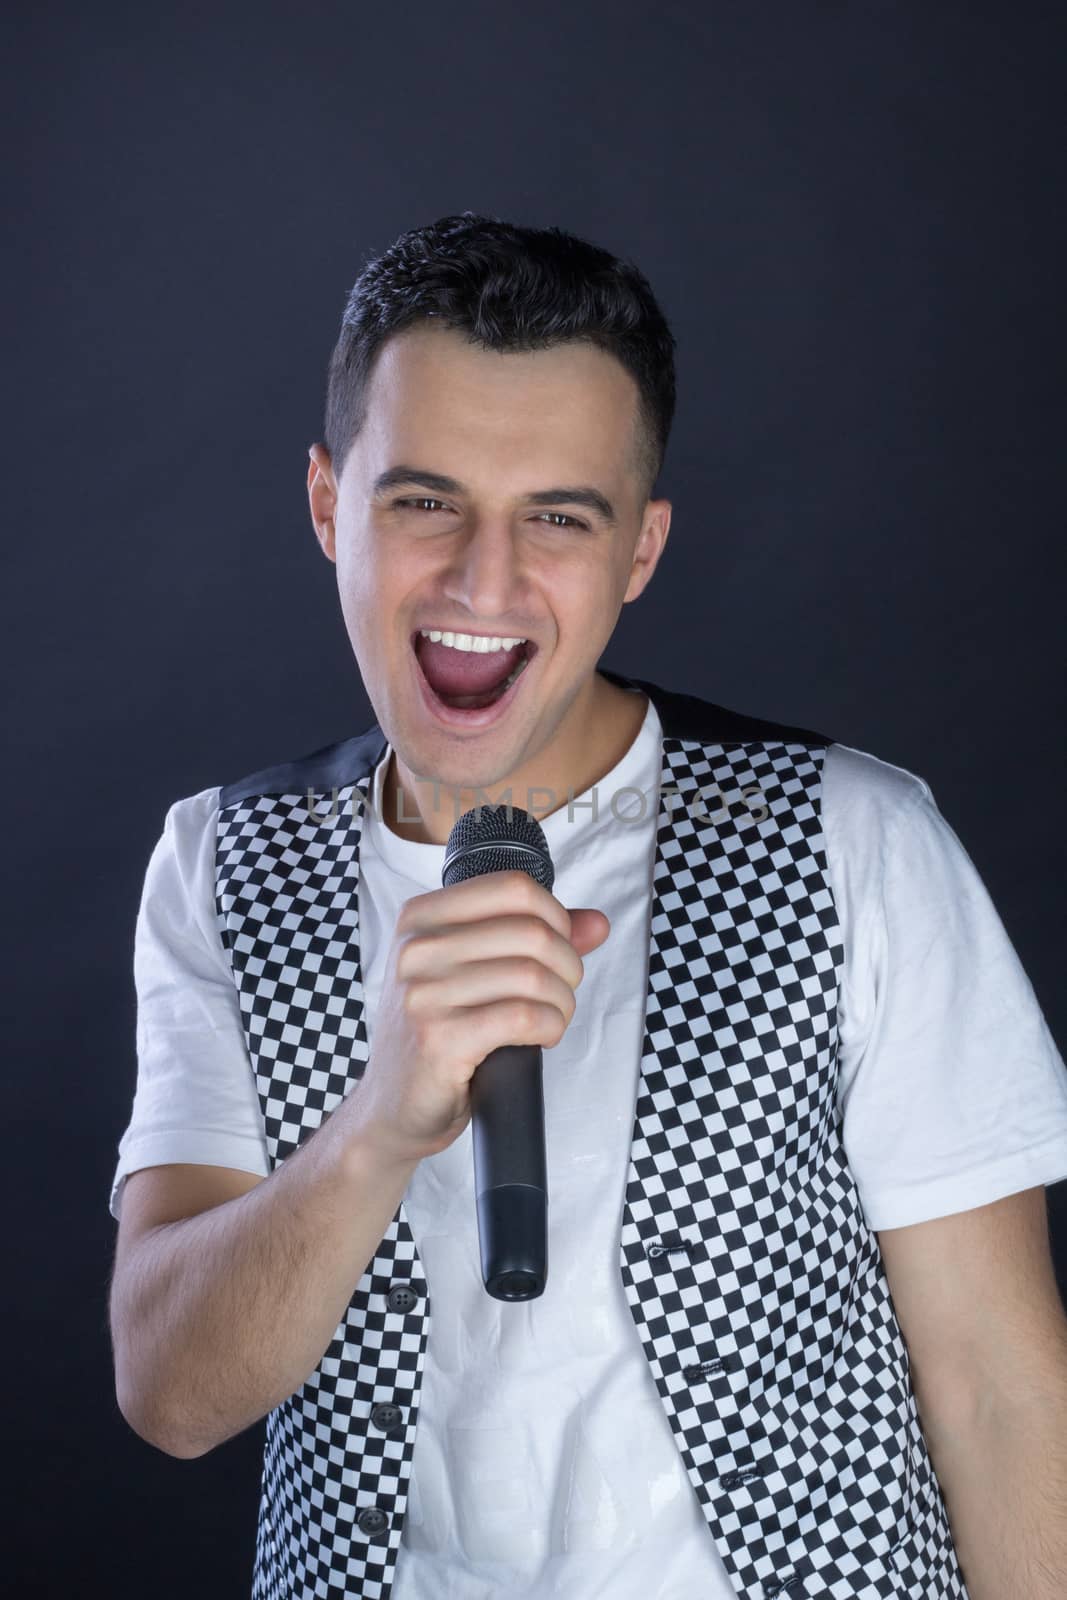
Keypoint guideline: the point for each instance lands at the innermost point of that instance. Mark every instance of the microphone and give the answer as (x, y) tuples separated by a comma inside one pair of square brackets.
[(506, 1090)]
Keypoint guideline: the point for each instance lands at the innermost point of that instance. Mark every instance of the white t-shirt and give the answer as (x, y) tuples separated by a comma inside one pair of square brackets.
[(544, 1463)]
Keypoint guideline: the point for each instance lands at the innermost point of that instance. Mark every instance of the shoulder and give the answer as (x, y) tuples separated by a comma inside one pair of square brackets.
[(868, 805), (186, 842), (692, 718), (862, 794), (193, 812), (332, 766), (862, 791)]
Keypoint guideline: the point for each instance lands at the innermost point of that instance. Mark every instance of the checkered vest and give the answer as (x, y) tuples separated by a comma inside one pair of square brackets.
[(755, 1285)]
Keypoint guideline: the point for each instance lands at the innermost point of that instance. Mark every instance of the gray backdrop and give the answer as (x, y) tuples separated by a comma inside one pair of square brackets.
[(852, 215)]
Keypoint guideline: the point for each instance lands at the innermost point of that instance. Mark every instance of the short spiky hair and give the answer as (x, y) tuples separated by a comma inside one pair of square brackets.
[(508, 288)]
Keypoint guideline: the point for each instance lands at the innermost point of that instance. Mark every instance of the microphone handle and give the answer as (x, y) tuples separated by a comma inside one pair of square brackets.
[(510, 1182)]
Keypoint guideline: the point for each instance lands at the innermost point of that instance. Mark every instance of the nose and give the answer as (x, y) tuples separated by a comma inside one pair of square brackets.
[(485, 574)]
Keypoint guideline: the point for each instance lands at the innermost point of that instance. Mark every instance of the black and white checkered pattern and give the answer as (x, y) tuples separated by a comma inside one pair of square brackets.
[(755, 1285)]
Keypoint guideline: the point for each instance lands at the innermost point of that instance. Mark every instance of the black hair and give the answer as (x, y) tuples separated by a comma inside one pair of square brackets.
[(509, 288)]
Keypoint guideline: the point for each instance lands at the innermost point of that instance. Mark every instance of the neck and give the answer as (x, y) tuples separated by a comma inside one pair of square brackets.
[(596, 732)]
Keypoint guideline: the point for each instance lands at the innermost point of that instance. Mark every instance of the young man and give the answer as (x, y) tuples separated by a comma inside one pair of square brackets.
[(801, 1102)]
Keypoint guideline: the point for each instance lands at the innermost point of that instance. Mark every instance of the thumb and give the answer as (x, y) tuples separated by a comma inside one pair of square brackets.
[(589, 928)]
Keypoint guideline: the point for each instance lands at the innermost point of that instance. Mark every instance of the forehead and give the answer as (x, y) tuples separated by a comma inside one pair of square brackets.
[(430, 386)]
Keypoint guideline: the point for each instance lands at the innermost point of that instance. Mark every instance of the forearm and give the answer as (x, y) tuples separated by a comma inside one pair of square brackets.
[(1004, 1480), (226, 1313)]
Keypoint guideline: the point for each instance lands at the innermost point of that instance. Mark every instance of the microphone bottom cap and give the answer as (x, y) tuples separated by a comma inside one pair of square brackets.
[(513, 1230)]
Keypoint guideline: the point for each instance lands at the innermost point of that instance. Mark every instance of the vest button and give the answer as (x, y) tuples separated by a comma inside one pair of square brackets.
[(387, 1417), (374, 1523), (401, 1296), (734, 1480)]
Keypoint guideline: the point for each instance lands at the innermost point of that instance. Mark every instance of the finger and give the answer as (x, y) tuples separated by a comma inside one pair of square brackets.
[(491, 894), (485, 982), (486, 1027), (438, 950), (589, 929)]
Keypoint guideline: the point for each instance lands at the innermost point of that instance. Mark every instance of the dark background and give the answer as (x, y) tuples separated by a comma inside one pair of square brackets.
[(852, 216)]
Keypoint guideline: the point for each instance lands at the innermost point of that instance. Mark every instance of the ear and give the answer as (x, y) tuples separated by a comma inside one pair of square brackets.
[(322, 498), (649, 547)]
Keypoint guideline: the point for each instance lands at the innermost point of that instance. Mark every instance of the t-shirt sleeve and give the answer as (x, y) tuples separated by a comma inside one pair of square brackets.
[(195, 1098), (952, 1090)]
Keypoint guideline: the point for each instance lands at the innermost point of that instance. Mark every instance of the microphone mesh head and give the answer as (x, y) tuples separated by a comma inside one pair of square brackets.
[(497, 839)]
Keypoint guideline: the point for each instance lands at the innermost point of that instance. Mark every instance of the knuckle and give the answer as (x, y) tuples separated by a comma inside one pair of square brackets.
[(413, 999), (541, 935), (407, 913), (534, 973), (408, 950), (530, 890), (526, 1014), (413, 911), (408, 999)]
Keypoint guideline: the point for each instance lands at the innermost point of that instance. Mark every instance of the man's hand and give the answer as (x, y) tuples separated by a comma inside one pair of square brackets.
[(491, 961)]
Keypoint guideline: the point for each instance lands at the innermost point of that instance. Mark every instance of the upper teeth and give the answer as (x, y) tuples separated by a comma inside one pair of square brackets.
[(469, 641)]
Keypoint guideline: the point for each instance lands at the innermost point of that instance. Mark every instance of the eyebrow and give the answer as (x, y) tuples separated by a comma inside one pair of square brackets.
[(574, 495)]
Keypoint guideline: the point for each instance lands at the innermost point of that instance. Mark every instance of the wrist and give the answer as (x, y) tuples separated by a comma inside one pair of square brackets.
[(363, 1155)]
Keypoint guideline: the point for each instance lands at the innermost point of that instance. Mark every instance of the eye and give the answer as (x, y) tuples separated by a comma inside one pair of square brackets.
[(575, 522), (419, 500), (562, 517)]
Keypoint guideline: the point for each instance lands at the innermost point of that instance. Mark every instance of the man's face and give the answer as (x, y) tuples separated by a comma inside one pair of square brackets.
[(480, 559)]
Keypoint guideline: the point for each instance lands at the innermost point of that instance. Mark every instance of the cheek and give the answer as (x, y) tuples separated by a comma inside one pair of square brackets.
[(354, 561), (377, 590), (362, 579), (362, 604), (588, 596)]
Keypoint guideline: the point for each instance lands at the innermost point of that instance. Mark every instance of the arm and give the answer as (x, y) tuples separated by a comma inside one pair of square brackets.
[(218, 1317), (980, 1310)]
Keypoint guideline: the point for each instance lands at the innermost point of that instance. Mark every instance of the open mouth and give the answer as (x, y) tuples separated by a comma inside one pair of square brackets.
[(469, 680)]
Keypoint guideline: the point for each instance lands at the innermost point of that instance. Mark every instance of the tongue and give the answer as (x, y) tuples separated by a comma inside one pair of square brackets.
[(460, 672)]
